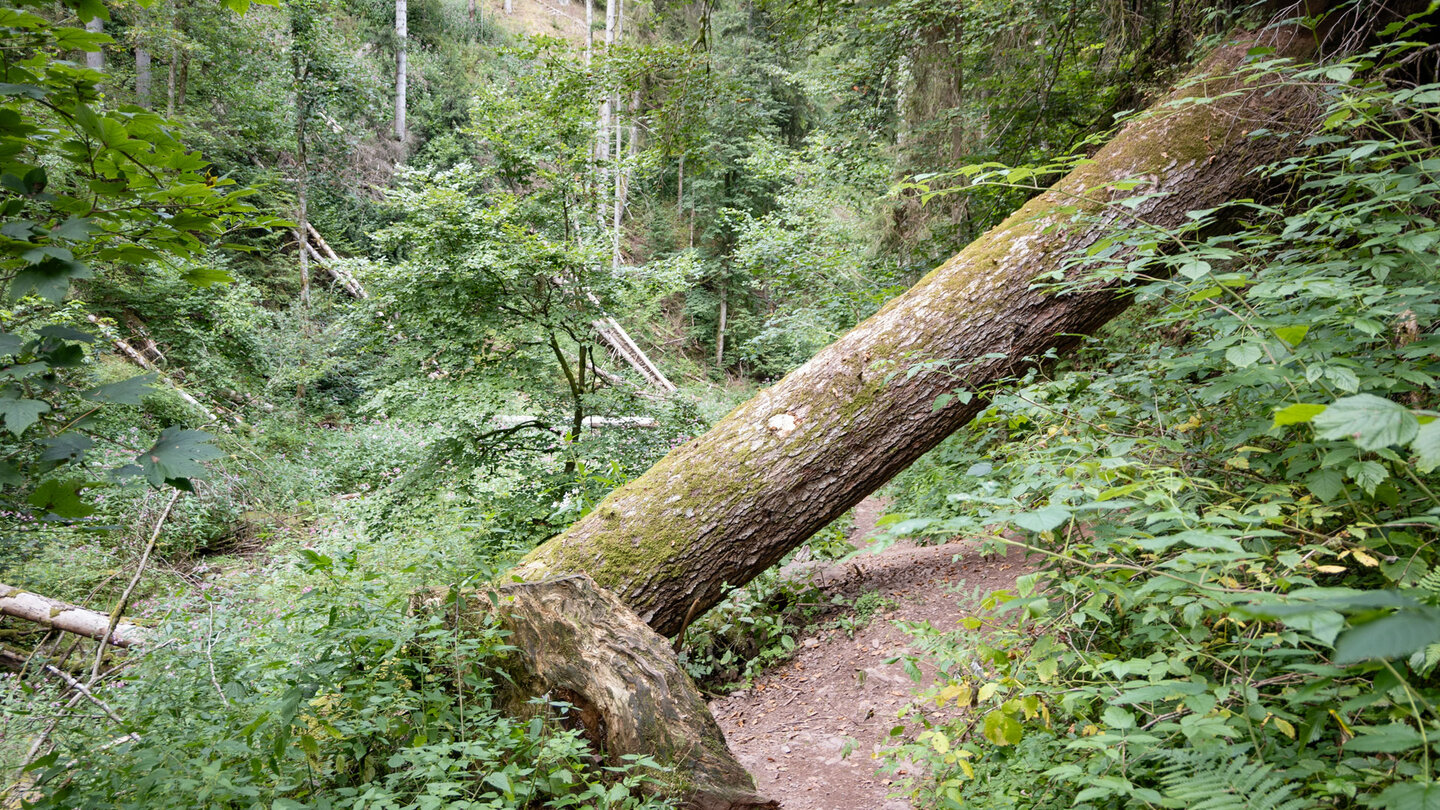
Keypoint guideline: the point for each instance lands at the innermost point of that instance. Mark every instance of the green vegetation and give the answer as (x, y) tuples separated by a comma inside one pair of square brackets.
[(1230, 496), (1230, 502)]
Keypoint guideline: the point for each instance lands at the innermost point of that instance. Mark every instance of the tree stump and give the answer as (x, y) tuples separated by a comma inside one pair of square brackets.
[(577, 642)]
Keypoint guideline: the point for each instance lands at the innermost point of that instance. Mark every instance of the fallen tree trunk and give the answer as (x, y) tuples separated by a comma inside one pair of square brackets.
[(721, 509), (59, 615), (577, 644), (724, 507)]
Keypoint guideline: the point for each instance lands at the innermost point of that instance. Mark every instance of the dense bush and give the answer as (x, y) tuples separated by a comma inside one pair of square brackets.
[(1230, 501)]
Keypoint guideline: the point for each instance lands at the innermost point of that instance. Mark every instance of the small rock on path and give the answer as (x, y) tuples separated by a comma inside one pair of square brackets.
[(791, 729)]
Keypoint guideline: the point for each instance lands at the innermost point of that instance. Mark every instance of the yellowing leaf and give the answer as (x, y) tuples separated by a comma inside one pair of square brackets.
[(1331, 569), (1284, 727), (988, 691), (941, 743), (1365, 559)]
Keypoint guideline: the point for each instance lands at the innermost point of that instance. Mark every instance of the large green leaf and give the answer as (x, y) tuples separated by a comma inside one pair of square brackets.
[(125, 392), (1002, 729), (1427, 447), (1388, 739), (176, 456), (1043, 520), (1408, 796), (1298, 413), (1395, 636), (1371, 422), (20, 414), (62, 497)]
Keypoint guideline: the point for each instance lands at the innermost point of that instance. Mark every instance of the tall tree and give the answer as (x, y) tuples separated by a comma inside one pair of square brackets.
[(302, 33), (142, 76), (401, 32), (95, 60), (726, 506)]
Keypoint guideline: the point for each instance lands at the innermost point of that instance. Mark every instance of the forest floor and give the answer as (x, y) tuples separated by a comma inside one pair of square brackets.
[(808, 729)]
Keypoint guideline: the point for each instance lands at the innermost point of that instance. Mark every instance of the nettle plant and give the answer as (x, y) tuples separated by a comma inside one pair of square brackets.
[(1232, 503), (85, 187)]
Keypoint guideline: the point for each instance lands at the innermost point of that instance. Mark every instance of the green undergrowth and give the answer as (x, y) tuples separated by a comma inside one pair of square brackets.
[(1231, 496), (323, 690), (761, 625)]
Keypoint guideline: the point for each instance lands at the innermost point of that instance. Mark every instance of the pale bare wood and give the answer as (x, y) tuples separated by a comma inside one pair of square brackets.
[(53, 613)]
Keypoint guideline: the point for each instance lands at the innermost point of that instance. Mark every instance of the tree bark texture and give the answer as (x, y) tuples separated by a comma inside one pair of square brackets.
[(53, 613), (576, 643), (723, 507), (142, 77), (95, 60), (401, 33)]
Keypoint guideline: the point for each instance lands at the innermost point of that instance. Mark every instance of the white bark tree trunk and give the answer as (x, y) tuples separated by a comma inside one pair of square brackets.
[(95, 60), (142, 77), (402, 23), (53, 613)]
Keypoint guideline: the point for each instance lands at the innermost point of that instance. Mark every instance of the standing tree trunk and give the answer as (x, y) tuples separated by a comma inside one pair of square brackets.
[(142, 76), (724, 507), (301, 26), (617, 203), (602, 134), (182, 80), (589, 31), (720, 329), (401, 31), (170, 86), (95, 60)]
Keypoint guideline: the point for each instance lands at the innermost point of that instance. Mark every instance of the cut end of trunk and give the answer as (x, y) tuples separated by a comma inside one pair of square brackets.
[(578, 643)]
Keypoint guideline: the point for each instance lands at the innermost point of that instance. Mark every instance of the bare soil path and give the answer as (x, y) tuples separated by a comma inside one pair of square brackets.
[(793, 727)]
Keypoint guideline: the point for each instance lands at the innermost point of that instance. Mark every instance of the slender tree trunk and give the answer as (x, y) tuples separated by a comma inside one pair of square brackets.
[(508, 7), (300, 30), (589, 31), (182, 81), (142, 76), (680, 187), (617, 207), (720, 329), (401, 32), (602, 135), (470, 10), (170, 86), (95, 60), (724, 507)]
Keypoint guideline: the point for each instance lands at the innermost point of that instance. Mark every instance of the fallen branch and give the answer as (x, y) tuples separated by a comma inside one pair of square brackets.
[(53, 613), (85, 690), (129, 589)]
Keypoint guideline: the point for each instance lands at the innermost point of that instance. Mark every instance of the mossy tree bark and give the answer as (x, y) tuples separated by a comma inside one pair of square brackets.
[(724, 507), (576, 643)]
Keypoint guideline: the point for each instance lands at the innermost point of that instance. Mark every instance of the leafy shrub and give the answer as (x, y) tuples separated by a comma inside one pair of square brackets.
[(1234, 499)]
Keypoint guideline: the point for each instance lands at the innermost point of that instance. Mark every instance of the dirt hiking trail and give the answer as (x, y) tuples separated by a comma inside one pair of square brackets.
[(791, 729)]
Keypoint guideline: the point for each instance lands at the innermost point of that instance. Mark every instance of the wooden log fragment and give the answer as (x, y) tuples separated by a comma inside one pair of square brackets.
[(577, 643), (53, 613)]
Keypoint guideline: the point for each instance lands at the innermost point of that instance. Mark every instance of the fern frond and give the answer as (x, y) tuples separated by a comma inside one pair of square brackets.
[(1210, 783)]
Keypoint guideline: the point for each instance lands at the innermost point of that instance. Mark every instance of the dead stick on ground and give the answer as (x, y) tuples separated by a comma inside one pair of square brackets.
[(209, 646), (134, 580), (82, 689)]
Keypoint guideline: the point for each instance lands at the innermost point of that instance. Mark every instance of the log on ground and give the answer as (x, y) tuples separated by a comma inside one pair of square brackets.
[(724, 507), (578, 644)]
